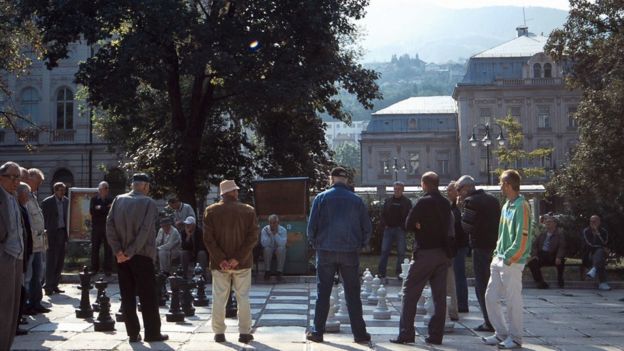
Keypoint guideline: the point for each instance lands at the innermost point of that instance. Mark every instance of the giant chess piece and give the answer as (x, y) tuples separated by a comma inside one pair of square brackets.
[(119, 316), (161, 288), (372, 298), (101, 286), (187, 297), (85, 310), (104, 321), (430, 309), (175, 313), (405, 266), (343, 312), (332, 325), (200, 296), (366, 286), (231, 308), (449, 325), (382, 311)]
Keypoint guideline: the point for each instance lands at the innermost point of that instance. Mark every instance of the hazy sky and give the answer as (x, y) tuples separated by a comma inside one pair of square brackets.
[(558, 4)]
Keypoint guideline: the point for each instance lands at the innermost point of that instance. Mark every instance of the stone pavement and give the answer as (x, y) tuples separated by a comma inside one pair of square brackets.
[(555, 319)]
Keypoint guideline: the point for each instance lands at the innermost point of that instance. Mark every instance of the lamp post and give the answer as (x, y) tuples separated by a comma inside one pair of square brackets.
[(486, 140), (395, 167)]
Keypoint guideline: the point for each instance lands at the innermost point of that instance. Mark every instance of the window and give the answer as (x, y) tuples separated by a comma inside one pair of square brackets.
[(537, 70), (572, 122), (547, 70), (543, 117), (385, 168), (514, 111), (29, 106), (414, 162), (65, 109), (485, 115), (442, 161)]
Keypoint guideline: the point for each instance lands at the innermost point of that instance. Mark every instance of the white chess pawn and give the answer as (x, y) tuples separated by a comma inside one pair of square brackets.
[(372, 298), (343, 312), (381, 312), (363, 287), (333, 324), (367, 287)]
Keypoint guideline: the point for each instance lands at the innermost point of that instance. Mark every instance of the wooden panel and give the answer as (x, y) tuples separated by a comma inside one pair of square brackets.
[(285, 197)]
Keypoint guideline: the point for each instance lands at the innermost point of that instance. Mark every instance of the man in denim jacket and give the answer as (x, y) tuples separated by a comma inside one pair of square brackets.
[(338, 228)]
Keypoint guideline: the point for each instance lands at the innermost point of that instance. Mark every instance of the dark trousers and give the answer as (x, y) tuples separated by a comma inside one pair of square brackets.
[(597, 258), (55, 258), (545, 259), (429, 266), (481, 260), (461, 283), (98, 238), (137, 277), (348, 264), (11, 272)]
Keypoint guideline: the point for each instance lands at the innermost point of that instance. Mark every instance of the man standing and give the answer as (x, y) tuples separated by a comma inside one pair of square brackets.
[(393, 217), (273, 238), (180, 211), (338, 228), (54, 209), (11, 253), (99, 206), (230, 234), (130, 229), (512, 250), (480, 220), (595, 239), (430, 219), (459, 261), (548, 250)]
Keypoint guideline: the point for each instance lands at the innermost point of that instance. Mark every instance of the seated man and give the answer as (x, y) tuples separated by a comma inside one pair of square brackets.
[(548, 250), (193, 248), (273, 239), (168, 244), (596, 251)]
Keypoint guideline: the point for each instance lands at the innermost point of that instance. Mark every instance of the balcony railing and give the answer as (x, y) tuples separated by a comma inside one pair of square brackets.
[(529, 81), (62, 135)]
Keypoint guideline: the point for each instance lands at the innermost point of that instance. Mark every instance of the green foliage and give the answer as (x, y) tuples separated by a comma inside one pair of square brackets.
[(593, 182), (513, 154), (348, 155)]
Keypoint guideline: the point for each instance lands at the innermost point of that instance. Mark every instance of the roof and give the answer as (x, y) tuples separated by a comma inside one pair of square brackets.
[(421, 105), (522, 46)]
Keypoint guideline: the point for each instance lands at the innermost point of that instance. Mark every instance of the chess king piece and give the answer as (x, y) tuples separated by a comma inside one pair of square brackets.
[(332, 325), (101, 286), (104, 321), (85, 310), (175, 313), (372, 298), (382, 311)]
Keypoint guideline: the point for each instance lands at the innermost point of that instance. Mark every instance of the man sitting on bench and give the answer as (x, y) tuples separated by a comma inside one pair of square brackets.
[(273, 239), (548, 250)]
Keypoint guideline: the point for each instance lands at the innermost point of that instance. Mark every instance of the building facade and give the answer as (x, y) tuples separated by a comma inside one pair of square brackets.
[(338, 133)]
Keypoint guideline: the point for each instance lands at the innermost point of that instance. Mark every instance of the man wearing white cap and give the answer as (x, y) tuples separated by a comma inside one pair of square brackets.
[(230, 234), (193, 244)]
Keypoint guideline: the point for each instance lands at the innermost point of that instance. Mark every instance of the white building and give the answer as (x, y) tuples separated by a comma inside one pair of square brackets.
[(338, 133)]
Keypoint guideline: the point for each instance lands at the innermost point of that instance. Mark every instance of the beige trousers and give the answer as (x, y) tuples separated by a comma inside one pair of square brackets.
[(222, 281), (452, 293)]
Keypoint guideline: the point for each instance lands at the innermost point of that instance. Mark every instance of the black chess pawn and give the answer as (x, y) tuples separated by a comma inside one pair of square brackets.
[(231, 308), (104, 322), (161, 289), (85, 310), (119, 316), (187, 297), (101, 286), (200, 296), (175, 313)]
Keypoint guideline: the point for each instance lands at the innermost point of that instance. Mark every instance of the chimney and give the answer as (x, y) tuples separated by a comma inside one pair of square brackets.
[(523, 30)]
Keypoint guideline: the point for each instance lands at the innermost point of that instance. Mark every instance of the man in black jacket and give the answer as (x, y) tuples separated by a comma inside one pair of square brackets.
[(54, 209), (459, 261), (480, 217), (99, 207), (394, 213)]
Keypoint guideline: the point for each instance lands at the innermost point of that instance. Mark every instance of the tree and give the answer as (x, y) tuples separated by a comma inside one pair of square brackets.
[(590, 45), (348, 155), (512, 154), (196, 88)]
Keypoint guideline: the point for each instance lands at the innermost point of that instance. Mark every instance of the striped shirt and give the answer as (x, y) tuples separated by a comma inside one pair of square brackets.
[(515, 232)]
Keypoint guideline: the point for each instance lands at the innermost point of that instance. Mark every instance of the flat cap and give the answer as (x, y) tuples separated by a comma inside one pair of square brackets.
[(140, 177), (339, 172)]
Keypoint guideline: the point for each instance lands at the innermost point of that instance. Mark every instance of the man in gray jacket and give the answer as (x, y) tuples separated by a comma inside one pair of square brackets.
[(131, 233)]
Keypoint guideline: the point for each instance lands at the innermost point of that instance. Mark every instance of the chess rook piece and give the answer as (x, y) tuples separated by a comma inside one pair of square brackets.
[(119, 316), (381, 311), (372, 298), (104, 321), (200, 296), (343, 313), (101, 286), (187, 297), (332, 325), (85, 310), (175, 313)]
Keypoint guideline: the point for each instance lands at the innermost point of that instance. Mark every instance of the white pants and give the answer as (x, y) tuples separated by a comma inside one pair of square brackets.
[(221, 283), (505, 284), (452, 293)]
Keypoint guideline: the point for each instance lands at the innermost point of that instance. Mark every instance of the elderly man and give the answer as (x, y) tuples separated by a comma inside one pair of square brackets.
[(180, 211), (23, 194), (273, 238), (595, 239), (459, 261), (393, 217), (338, 228), (193, 244), (548, 250), (11, 253), (98, 207), (130, 233), (54, 209), (168, 244), (230, 234)]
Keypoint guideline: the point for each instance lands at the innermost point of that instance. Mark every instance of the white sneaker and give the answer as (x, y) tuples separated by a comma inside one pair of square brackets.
[(604, 287), (491, 340), (509, 344), (591, 273)]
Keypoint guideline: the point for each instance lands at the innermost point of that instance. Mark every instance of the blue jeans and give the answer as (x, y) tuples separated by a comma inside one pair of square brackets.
[(348, 264), (391, 235), (34, 276), (481, 260), (461, 285)]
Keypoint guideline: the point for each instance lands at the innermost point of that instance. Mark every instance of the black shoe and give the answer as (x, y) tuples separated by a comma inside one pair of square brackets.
[(542, 285), (41, 309), (267, 275), (314, 337), (219, 337), (245, 338), (58, 291), (430, 340), (279, 276), (21, 331), (135, 338), (484, 328), (403, 340), (365, 339), (160, 337)]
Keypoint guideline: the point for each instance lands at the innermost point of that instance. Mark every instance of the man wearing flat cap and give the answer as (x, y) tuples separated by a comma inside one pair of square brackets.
[(131, 234), (168, 244), (230, 234), (338, 228)]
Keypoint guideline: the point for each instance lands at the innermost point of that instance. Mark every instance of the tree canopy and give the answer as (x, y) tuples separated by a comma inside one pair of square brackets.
[(198, 90)]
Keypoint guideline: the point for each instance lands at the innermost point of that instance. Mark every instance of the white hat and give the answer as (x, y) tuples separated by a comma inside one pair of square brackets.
[(189, 220), (226, 186)]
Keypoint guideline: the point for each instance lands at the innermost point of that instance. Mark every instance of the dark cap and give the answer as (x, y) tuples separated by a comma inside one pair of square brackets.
[(339, 172), (140, 177)]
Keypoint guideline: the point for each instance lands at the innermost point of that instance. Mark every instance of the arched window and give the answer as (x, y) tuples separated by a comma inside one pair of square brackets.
[(29, 105), (65, 109), (547, 70), (62, 175), (537, 70)]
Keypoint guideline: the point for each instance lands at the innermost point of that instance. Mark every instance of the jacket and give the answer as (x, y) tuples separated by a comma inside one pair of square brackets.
[(339, 221), (37, 224), (480, 219), (557, 244), (230, 231), (395, 212), (50, 214), (433, 213), (461, 237), (515, 232)]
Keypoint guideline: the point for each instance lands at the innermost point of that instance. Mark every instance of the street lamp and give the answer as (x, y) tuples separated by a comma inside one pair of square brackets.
[(395, 167), (486, 141)]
